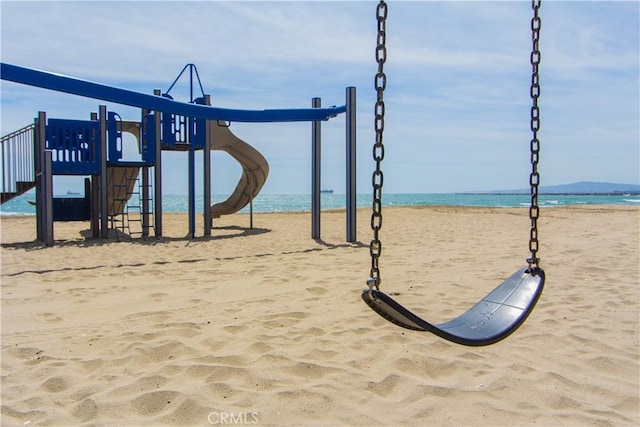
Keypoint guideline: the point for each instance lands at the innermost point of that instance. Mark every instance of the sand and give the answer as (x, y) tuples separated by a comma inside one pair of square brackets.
[(266, 326)]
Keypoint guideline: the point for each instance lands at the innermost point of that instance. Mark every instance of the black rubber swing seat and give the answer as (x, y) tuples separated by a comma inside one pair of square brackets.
[(492, 319)]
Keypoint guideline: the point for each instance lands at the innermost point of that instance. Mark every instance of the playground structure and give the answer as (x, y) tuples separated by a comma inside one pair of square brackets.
[(125, 191)]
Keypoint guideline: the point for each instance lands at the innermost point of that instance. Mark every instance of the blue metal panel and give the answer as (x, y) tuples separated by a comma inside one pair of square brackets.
[(60, 83), (168, 129), (75, 146), (174, 129), (172, 134)]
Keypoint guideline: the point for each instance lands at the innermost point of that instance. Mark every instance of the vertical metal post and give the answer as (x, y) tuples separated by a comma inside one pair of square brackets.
[(5, 180), (145, 181), (146, 212), (87, 194), (48, 199), (11, 169), (192, 162), (315, 172), (157, 184), (95, 198), (104, 181), (41, 136), (191, 82), (192, 179), (351, 162), (207, 172), (251, 212)]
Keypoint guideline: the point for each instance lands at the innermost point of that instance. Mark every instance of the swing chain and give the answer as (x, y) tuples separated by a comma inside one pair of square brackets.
[(375, 247), (534, 178)]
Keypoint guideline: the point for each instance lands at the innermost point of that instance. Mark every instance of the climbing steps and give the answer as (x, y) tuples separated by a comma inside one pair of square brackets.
[(129, 197)]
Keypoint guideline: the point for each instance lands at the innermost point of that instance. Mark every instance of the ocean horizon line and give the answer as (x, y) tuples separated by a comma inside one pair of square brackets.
[(263, 203)]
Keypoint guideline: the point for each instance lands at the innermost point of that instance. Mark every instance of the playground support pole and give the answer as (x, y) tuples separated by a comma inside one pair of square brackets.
[(145, 202), (47, 178), (157, 183), (95, 198), (316, 137), (351, 163), (104, 179), (192, 179), (192, 163), (145, 183), (251, 212), (41, 128), (207, 174)]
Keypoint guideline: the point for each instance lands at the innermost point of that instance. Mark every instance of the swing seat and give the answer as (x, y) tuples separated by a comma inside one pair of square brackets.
[(490, 320)]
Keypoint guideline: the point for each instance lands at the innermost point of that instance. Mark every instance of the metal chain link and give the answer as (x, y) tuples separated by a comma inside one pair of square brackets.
[(534, 178), (380, 83)]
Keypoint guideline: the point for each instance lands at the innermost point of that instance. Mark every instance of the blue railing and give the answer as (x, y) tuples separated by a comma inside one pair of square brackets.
[(17, 163)]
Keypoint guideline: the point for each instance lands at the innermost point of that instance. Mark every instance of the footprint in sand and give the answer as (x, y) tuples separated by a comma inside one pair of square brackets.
[(55, 385), (260, 348), (158, 296), (284, 319), (317, 291), (26, 353), (86, 410), (309, 370), (50, 317), (235, 329), (153, 402), (385, 387)]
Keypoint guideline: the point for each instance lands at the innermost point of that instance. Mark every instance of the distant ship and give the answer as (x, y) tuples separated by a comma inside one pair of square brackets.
[(327, 191)]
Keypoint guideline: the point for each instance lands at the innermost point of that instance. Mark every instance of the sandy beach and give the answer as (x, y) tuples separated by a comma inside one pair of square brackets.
[(265, 326)]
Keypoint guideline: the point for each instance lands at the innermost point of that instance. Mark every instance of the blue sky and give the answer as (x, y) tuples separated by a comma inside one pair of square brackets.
[(457, 101)]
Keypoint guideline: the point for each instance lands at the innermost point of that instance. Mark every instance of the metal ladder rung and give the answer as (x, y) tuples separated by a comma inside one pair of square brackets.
[(133, 213)]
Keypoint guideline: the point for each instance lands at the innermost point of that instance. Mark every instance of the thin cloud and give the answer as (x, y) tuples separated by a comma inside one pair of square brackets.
[(458, 81)]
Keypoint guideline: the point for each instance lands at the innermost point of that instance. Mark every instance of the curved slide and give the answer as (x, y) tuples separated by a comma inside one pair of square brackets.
[(255, 168)]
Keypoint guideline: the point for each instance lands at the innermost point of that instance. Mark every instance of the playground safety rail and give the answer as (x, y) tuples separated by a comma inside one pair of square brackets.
[(17, 152)]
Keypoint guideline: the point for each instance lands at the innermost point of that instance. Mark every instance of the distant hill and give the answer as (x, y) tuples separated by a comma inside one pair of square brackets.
[(579, 188)]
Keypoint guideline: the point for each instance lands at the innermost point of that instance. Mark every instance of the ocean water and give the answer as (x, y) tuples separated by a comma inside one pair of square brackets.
[(302, 202)]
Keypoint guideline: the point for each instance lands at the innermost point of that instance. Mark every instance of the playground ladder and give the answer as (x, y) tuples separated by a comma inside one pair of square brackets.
[(118, 218), (130, 218), (17, 175), (133, 210)]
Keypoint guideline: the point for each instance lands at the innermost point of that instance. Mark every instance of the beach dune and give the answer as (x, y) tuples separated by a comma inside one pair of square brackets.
[(265, 326)]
